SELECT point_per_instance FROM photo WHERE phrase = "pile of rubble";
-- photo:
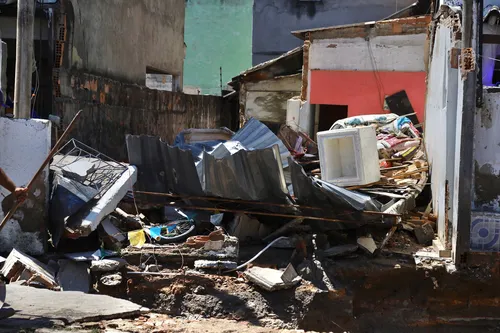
(218, 202)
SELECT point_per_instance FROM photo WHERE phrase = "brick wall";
(113, 109)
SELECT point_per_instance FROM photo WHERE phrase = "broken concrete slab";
(424, 234)
(70, 306)
(290, 274)
(368, 244)
(25, 145)
(20, 266)
(73, 276)
(108, 202)
(107, 265)
(341, 250)
(269, 279)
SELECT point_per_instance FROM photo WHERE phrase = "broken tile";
(73, 276)
(269, 279)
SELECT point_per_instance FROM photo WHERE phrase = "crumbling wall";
(441, 121)
(113, 109)
(267, 100)
(25, 145)
(120, 39)
(343, 68)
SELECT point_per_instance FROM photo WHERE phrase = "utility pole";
(24, 58)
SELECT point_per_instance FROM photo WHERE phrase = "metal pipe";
(24, 58)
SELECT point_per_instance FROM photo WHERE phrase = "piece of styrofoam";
(349, 156)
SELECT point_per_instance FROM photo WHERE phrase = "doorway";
(327, 115)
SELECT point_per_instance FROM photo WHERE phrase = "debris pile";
(217, 203)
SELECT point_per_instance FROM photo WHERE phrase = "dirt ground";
(158, 323)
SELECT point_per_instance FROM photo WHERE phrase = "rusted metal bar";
(52, 152)
(210, 209)
(177, 196)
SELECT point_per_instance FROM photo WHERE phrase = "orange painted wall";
(358, 90)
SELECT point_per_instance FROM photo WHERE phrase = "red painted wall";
(358, 90)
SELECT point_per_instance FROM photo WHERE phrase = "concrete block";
(25, 145)
(349, 156)
(109, 201)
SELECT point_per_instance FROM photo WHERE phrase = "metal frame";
(106, 171)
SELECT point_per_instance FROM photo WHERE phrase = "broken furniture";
(21, 267)
(88, 187)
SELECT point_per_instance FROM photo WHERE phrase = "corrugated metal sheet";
(162, 168)
(256, 135)
(249, 175)
(334, 200)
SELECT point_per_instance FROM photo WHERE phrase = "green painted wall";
(217, 33)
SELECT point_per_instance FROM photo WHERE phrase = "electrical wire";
(380, 86)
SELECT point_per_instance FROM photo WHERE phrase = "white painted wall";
(24, 146)
(267, 100)
(386, 53)
(440, 124)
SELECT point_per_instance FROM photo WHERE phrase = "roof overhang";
(400, 26)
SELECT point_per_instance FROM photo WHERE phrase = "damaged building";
(340, 191)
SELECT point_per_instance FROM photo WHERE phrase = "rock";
(424, 234)
(200, 290)
(368, 244)
(269, 279)
(111, 280)
(107, 265)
